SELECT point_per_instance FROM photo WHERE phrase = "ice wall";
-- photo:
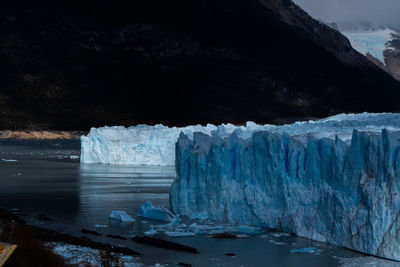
(155, 145)
(345, 193)
(138, 145)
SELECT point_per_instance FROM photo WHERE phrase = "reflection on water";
(104, 188)
(28, 185)
(42, 177)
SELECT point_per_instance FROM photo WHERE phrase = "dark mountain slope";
(179, 62)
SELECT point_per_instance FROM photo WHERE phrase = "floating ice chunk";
(250, 230)
(179, 233)
(276, 242)
(121, 216)
(151, 232)
(74, 157)
(157, 213)
(206, 229)
(100, 226)
(280, 234)
(9, 160)
(310, 250)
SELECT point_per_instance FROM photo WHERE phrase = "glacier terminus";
(345, 193)
(334, 180)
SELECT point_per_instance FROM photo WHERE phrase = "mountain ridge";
(180, 63)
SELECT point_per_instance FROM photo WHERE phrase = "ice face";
(155, 145)
(346, 193)
(138, 145)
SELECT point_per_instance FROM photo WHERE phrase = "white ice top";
(155, 145)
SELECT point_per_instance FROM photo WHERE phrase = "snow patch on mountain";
(374, 42)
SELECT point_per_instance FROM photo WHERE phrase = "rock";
(161, 243)
(90, 232)
(230, 254)
(183, 264)
(224, 236)
(116, 237)
(43, 217)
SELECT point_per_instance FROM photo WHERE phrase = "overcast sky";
(376, 12)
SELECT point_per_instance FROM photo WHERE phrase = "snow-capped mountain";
(380, 45)
(373, 42)
(180, 62)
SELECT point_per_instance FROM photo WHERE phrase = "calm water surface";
(46, 177)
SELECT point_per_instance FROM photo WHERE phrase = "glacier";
(138, 145)
(155, 145)
(374, 42)
(335, 180)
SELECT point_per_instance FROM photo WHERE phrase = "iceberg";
(156, 213)
(121, 216)
(336, 180)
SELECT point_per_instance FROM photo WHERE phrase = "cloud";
(375, 12)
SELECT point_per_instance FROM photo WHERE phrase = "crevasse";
(342, 192)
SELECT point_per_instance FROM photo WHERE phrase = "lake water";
(46, 177)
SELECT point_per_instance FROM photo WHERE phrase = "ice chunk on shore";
(157, 213)
(345, 193)
(155, 145)
(121, 216)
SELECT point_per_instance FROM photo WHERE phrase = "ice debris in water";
(279, 234)
(121, 216)
(151, 232)
(84, 256)
(100, 226)
(178, 234)
(336, 180)
(184, 230)
(9, 160)
(149, 211)
(310, 250)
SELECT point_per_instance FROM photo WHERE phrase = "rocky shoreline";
(14, 229)
(41, 135)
